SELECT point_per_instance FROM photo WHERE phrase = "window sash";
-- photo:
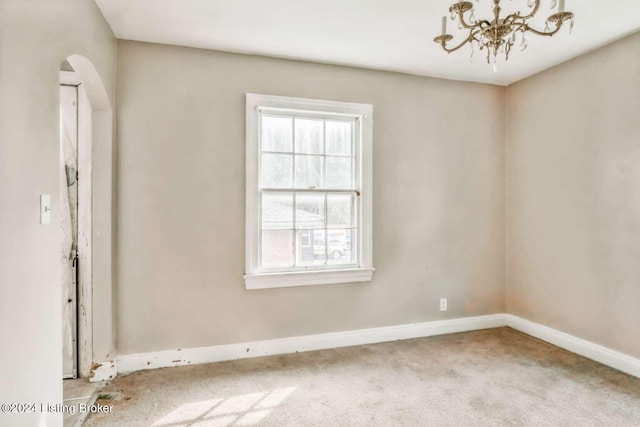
(355, 156)
(356, 243)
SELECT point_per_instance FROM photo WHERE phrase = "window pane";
(277, 211)
(339, 174)
(308, 171)
(339, 138)
(309, 136)
(311, 250)
(340, 210)
(277, 134)
(309, 210)
(276, 171)
(341, 246)
(277, 248)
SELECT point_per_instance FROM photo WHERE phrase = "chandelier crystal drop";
(498, 35)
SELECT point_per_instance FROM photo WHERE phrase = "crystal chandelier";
(499, 35)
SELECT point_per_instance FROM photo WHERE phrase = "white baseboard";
(162, 359)
(181, 357)
(585, 348)
(103, 371)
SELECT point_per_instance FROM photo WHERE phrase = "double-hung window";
(308, 218)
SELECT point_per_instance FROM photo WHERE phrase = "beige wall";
(35, 37)
(438, 200)
(573, 197)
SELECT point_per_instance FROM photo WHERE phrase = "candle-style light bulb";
(561, 6)
(444, 25)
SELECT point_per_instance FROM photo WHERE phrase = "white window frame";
(363, 113)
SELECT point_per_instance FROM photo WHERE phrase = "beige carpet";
(496, 377)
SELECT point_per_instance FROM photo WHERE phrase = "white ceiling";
(394, 35)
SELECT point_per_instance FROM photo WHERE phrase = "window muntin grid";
(308, 191)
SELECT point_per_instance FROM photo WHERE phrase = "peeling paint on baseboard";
(103, 371)
(181, 357)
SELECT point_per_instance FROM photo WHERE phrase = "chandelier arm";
(511, 19)
(472, 36)
(519, 26)
(542, 33)
(533, 12)
(465, 41)
(464, 23)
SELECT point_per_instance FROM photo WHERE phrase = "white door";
(69, 225)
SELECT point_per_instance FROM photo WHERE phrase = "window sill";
(307, 278)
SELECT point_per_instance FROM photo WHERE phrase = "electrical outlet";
(443, 304)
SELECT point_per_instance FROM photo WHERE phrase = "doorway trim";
(96, 325)
(83, 303)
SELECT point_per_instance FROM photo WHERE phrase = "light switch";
(45, 209)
